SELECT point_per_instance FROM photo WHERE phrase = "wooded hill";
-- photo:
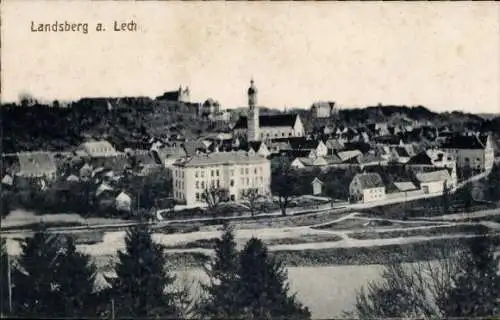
(131, 122)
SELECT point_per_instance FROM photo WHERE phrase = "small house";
(123, 202)
(435, 181)
(367, 187)
(317, 186)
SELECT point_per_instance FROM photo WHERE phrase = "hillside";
(131, 122)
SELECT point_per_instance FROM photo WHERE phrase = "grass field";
(427, 232)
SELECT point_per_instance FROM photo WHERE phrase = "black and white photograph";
(249, 160)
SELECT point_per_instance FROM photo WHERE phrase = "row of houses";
(369, 187)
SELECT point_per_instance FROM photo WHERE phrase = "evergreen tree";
(76, 277)
(140, 289)
(35, 291)
(476, 289)
(221, 291)
(52, 279)
(264, 291)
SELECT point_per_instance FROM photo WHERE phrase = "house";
(144, 162)
(349, 155)
(474, 151)
(366, 187)
(104, 195)
(98, 149)
(317, 186)
(37, 164)
(432, 158)
(317, 146)
(235, 172)
(401, 154)
(334, 145)
(85, 172)
(123, 202)
(210, 107)
(303, 162)
(435, 181)
(259, 148)
(323, 109)
(7, 180)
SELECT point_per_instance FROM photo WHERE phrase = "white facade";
(373, 194)
(234, 171)
(432, 187)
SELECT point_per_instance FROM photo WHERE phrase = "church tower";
(253, 133)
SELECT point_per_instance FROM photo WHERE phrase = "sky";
(445, 56)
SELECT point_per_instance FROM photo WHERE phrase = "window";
(282, 134)
(231, 183)
(255, 170)
(275, 135)
(197, 196)
(202, 174)
(218, 184)
(289, 134)
(196, 174)
(197, 184)
(246, 170)
(217, 173)
(203, 184)
(212, 173)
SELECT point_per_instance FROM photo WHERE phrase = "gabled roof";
(276, 120)
(369, 180)
(7, 180)
(255, 145)
(316, 180)
(36, 163)
(292, 154)
(405, 186)
(466, 142)
(334, 144)
(102, 188)
(441, 175)
(346, 155)
(303, 143)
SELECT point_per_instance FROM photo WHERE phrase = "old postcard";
(250, 160)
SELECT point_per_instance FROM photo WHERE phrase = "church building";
(266, 127)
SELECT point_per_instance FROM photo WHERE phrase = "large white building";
(234, 171)
(256, 127)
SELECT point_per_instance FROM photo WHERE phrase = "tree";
(252, 196)
(283, 183)
(76, 277)
(263, 288)
(35, 291)
(493, 183)
(213, 196)
(461, 282)
(143, 287)
(52, 279)
(221, 290)
(476, 289)
(4, 281)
